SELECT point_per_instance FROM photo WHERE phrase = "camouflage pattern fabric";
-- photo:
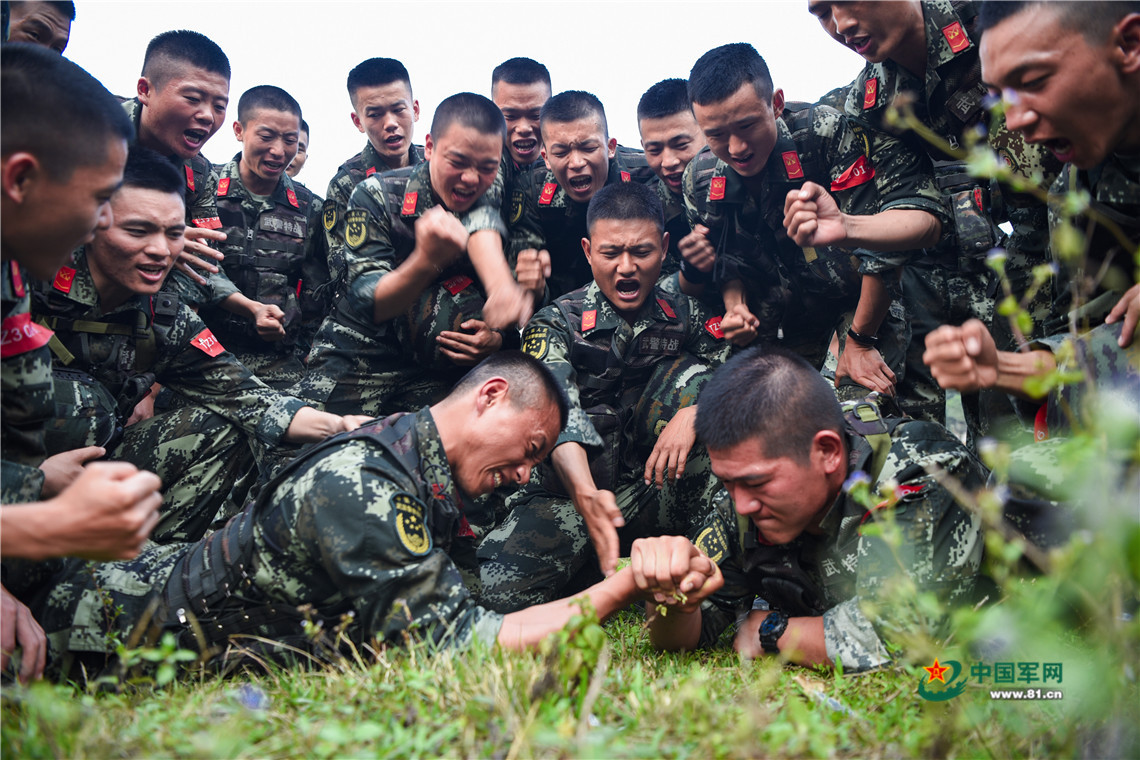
(26, 392)
(201, 211)
(842, 574)
(158, 339)
(359, 367)
(274, 249)
(625, 381)
(350, 174)
(676, 224)
(362, 525)
(545, 217)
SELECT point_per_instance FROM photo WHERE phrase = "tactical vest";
(265, 263)
(102, 369)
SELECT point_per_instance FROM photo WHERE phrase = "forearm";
(803, 641)
(573, 467)
(874, 303)
(1013, 369)
(32, 531)
(241, 305)
(485, 250)
(733, 294)
(675, 630)
(892, 230)
(526, 628)
(396, 290)
(311, 425)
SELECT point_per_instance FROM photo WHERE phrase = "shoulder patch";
(328, 218)
(64, 279)
(665, 307)
(410, 525)
(516, 206)
(716, 189)
(956, 37)
(625, 176)
(207, 223)
(355, 226)
(457, 284)
(589, 319)
(223, 187)
(536, 341)
(713, 543)
(714, 328)
(292, 196)
(19, 334)
(859, 172)
(871, 93)
(409, 206)
(548, 191)
(189, 178)
(207, 343)
(792, 164)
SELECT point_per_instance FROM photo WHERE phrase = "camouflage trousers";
(278, 370)
(199, 456)
(542, 550)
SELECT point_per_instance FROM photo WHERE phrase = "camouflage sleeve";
(369, 252)
(717, 537)
(20, 483)
(332, 221)
(526, 227)
(202, 205)
(193, 363)
(316, 295)
(222, 287)
(486, 214)
(703, 340)
(376, 546)
(547, 337)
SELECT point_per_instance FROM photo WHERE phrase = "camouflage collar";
(562, 200)
(608, 318)
(419, 183)
(279, 196)
(940, 18)
(372, 160)
(433, 466)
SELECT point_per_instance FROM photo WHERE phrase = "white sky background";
(615, 50)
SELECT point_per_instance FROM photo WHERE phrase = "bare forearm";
(485, 250)
(733, 294)
(573, 467)
(28, 530)
(1013, 369)
(803, 641)
(675, 630)
(892, 230)
(874, 302)
(241, 305)
(526, 628)
(397, 289)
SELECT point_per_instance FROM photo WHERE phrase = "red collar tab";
(371, 170)
(292, 196)
(409, 206)
(665, 307)
(223, 187)
(716, 189)
(548, 191)
(64, 279)
(871, 93)
(625, 176)
(792, 164)
(189, 178)
(17, 279)
(589, 320)
(956, 37)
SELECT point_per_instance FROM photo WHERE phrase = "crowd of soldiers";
(449, 396)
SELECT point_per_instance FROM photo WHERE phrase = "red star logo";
(937, 672)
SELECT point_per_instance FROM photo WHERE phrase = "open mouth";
(152, 272)
(524, 147)
(274, 167)
(674, 180)
(394, 142)
(580, 183)
(628, 288)
(1061, 148)
(462, 195)
(742, 163)
(859, 44)
(497, 479)
(195, 137)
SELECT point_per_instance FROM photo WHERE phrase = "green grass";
(623, 701)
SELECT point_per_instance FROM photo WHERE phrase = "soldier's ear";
(586, 248)
(356, 122)
(17, 175)
(778, 102)
(428, 147)
(1126, 43)
(612, 147)
(415, 111)
(237, 130)
(144, 90)
(827, 449)
(491, 392)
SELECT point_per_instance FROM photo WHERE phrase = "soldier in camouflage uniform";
(274, 246)
(401, 482)
(383, 109)
(787, 454)
(928, 52)
(548, 209)
(671, 138)
(787, 271)
(182, 97)
(633, 358)
(412, 315)
(115, 335)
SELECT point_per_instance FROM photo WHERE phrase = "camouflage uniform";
(836, 572)
(357, 366)
(676, 224)
(274, 252)
(802, 296)
(26, 395)
(625, 381)
(105, 363)
(365, 525)
(201, 211)
(952, 283)
(542, 215)
(350, 174)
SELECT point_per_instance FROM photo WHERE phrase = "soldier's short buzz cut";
(573, 105)
(470, 110)
(148, 170)
(169, 53)
(1094, 19)
(719, 73)
(531, 382)
(56, 111)
(269, 98)
(377, 72)
(667, 97)
(305, 127)
(520, 71)
(625, 201)
(769, 394)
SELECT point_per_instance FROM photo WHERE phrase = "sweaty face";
(782, 497)
(1071, 96)
(741, 129)
(136, 252)
(625, 256)
(463, 164)
(875, 30)
(579, 155)
(302, 156)
(66, 214)
(386, 114)
(670, 143)
(505, 444)
(39, 24)
(184, 112)
(521, 105)
(268, 143)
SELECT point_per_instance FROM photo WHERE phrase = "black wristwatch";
(771, 630)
